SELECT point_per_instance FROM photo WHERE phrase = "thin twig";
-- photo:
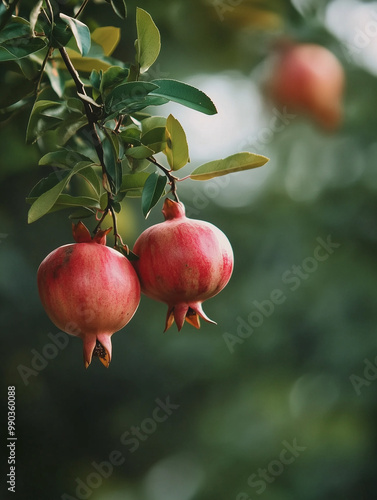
(172, 178)
(87, 106)
(95, 137)
(83, 5)
(37, 87)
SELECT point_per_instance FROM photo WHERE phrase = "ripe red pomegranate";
(183, 262)
(89, 290)
(308, 78)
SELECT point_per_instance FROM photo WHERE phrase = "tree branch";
(172, 178)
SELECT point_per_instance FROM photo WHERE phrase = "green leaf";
(113, 77)
(154, 188)
(57, 78)
(124, 95)
(40, 122)
(95, 79)
(80, 32)
(131, 135)
(176, 149)
(152, 122)
(107, 37)
(119, 7)
(148, 43)
(64, 158)
(113, 166)
(60, 34)
(139, 152)
(184, 94)
(34, 14)
(47, 200)
(233, 163)
(92, 178)
(19, 48)
(14, 30)
(66, 200)
(69, 127)
(155, 139)
(134, 182)
(46, 184)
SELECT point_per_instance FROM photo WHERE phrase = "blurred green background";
(303, 378)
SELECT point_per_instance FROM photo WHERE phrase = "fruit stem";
(172, 178)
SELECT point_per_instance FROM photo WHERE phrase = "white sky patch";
(355, 24)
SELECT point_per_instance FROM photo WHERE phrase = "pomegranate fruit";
(308, 78)
(183, 262)
(89, 290)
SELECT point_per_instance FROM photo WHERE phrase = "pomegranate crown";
(173, 209)
(81, 234)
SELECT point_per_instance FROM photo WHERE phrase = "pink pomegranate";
(183, 262)
(308, 78)
(89, 290)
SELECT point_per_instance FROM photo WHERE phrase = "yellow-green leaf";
(176, 149)
(148, 43)
(233, 163)
(108, 37)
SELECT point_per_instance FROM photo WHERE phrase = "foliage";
(98, 120)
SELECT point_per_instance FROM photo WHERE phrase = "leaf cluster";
(91, 109)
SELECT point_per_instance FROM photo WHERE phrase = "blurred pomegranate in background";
(308, 79)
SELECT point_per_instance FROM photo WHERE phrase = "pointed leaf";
(155, 139)
(47, 200)
(39, 122)
(148, 41)
(80, 32)
(132, 182)
(176, 149)
(64, 158)
(233, 163)
(184, 94)
(153, 122)
(139, 152)
(113, 166)
(113, 77)
(19, 48)
(126, 94)
(119, 7)
(34, 15)
(153, 190)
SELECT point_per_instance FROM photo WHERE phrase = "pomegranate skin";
(308, 78)
(183, 262)
(91, 291)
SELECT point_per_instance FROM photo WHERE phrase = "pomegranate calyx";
(173, 209)
(81, 234)
(100, 236)
(99, 347)
(186, 312)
